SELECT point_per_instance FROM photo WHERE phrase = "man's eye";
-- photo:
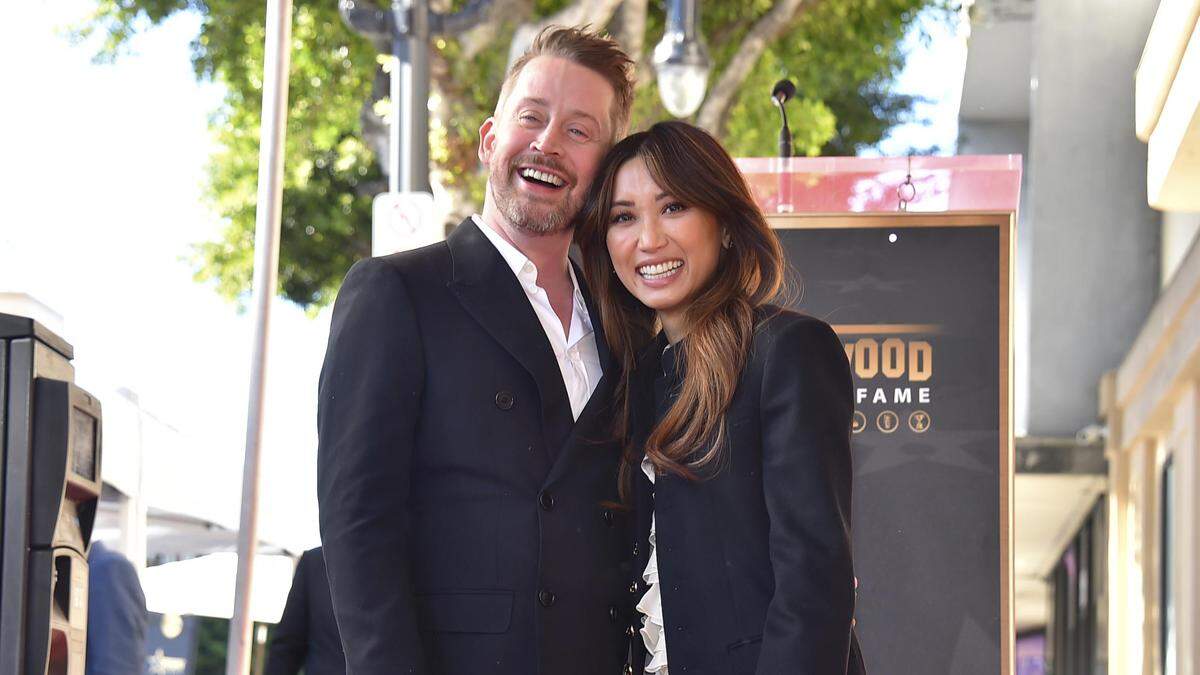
(578, 133)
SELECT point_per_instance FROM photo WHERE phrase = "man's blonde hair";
(592, 50)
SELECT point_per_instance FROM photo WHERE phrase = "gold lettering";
(920, 361)
(893, 358)
(866, 358)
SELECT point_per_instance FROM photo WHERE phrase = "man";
(307, 635)
(117, 619)
(465, 456)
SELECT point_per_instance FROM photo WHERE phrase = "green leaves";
(842, 54)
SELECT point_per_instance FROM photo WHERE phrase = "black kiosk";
(50, 487)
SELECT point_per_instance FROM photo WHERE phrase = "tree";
(842, 54)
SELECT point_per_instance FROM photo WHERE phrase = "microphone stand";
(784, 204)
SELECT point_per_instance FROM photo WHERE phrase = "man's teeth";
(659, 270)
(542, 176)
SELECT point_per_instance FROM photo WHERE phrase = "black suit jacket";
(307, 635)
(462, 509)
(754, 561)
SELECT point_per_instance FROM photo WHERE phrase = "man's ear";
(487, 139)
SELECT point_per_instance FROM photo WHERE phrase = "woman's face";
(664, 251)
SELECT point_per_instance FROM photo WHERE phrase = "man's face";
(543, 146)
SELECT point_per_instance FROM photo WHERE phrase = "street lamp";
(681, 61)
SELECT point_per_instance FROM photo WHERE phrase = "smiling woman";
(735, 419)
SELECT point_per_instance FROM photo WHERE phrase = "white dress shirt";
(575, 350)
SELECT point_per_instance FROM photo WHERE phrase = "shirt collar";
(526, 272)
(516, 260)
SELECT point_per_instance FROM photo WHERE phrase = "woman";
(737, 416)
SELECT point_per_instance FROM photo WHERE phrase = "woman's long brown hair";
(691, 166)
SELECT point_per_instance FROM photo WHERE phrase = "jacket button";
(546, 598)
(629, 630)
(504, 400)
(635, 549)
(633, 587)
(608, 517)
(627, 670)
(612, 613)
(546, 500)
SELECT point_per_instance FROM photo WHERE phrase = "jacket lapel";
(594, 426)
(489, 291)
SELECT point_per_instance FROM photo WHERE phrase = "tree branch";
(630, 27)
(764, 31)
(594, 13)
(482, 36)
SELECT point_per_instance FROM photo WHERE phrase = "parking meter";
(50, 433)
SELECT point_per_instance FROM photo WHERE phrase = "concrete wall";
(1011, 137)
(1095, 242)
(1179, 232)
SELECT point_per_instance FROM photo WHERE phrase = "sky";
(102, 197)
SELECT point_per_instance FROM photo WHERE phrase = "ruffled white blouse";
(650, 606)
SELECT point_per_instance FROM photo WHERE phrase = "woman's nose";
(651, 236)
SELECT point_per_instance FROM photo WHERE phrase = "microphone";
(784, 90)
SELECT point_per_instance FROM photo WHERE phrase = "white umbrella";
(204, 586)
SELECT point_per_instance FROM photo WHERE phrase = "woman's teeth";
(659, 270)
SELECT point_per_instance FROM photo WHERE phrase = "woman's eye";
(674, 207)
(621, 218)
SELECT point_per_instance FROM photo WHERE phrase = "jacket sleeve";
(368, 406)
(289, 640)
(806, 408)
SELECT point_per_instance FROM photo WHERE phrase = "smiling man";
(464, 465)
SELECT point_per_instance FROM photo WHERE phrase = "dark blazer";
(462, 509)
(754, 561)
(307, 635)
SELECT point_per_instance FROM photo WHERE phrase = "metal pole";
(266, 271)
(412, 104)
(398, 171)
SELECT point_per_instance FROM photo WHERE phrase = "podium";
(911, 261)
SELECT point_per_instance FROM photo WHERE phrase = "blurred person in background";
(117, 619)
(306, 636)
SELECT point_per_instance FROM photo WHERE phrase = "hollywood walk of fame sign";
(921, 302)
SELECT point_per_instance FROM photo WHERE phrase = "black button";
(504, 400)
(633, 587)
(547, 598)
(628, 669)
(630, 631)
(608, 517)
(612, 613)
(546, 500)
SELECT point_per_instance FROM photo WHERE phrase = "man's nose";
(548, 141)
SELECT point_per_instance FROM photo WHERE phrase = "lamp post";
(681, 61)
(407, 27)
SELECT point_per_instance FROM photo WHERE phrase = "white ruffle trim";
(653, 635)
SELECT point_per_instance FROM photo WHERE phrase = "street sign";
(403, 220)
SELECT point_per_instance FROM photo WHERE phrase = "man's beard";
(529, 215)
